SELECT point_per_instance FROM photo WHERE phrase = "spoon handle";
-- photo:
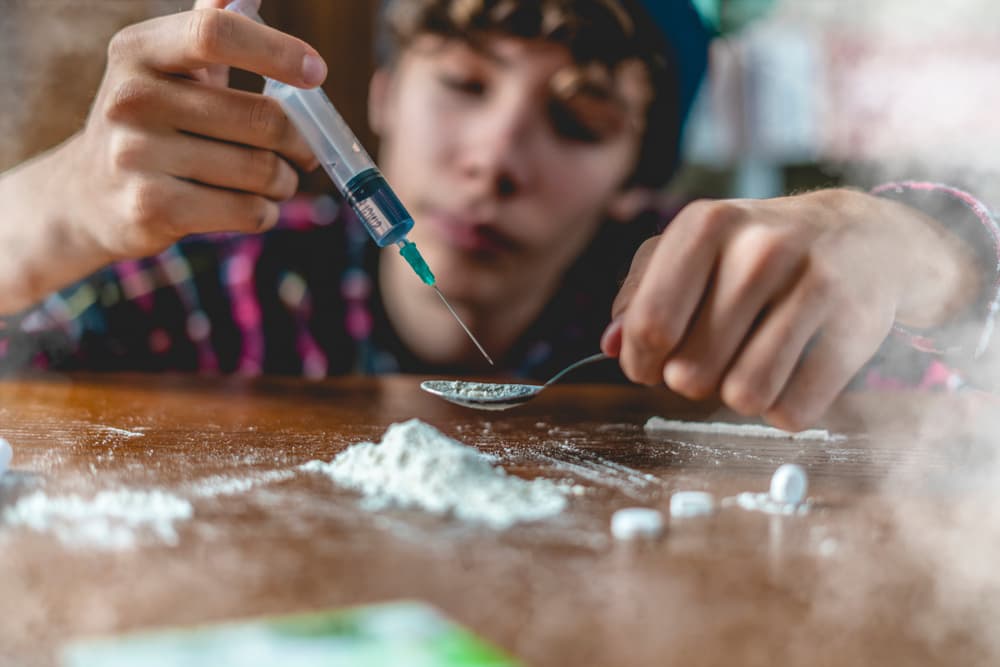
(600, 356)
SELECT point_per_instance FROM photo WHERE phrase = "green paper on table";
(409, 634)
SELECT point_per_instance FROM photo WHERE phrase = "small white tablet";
(687, 504)
(789, 484)
(634, 523)
(6, 453)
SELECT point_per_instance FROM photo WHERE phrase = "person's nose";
(498, 151)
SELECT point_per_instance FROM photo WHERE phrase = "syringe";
(351, 169)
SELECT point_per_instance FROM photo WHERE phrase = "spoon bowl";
(496, 395)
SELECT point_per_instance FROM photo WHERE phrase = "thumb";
(611, 340)
(640, 262)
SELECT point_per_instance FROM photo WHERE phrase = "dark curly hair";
(605, 32)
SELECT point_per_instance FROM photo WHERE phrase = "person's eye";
(466, 85)
(573, 126)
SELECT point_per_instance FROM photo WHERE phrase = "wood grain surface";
(876, 574)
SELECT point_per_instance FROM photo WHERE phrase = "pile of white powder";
(417, 466)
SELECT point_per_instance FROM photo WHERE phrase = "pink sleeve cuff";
(989, 304)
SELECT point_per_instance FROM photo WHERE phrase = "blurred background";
(802, 93)
(805, 93)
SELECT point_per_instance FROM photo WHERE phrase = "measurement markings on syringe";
(372, 216)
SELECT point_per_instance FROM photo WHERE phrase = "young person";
(527, 138)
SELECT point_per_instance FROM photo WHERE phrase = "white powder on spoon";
(417, 466)
(483, 390)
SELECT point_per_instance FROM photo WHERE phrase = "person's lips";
(469, 234)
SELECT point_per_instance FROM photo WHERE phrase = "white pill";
(637, 522)
(789, 484)
(686, 504)
(5, 455)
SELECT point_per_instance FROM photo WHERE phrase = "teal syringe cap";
(412, 256)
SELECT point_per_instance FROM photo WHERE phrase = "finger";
(822, 375)
(611, 339)
(216, 75)
(755, 267)
(171, 208)
(669, 293)
(252, 170)
(188, 42)
(235, 116)
(762, 369)
(225, 211)
(631, 283)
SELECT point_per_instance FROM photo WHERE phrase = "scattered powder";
(417, 466)
(593, 472)
(121, 431)
(226, 485)
(839, 455)
(599, 470)
(596, 469)
(763, 502)
(6, 454)
(110, 520)
(740, 430)
(604, 428)
(828, 547)
(787, 496)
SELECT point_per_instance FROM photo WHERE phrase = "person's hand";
(168, 150)
(775, 304)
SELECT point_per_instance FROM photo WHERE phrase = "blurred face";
(508, 157)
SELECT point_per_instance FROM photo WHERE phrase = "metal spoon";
(497, 396)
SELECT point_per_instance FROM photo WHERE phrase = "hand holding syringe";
(351, 168)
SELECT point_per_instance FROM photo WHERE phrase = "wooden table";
(857, 581)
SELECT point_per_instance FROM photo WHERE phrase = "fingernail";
(611, 339)
(313, 70)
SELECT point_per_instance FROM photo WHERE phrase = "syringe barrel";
(336, 147)
(339, 152)
(345, 160)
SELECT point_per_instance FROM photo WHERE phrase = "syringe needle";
(416, 261)
(462, 324)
